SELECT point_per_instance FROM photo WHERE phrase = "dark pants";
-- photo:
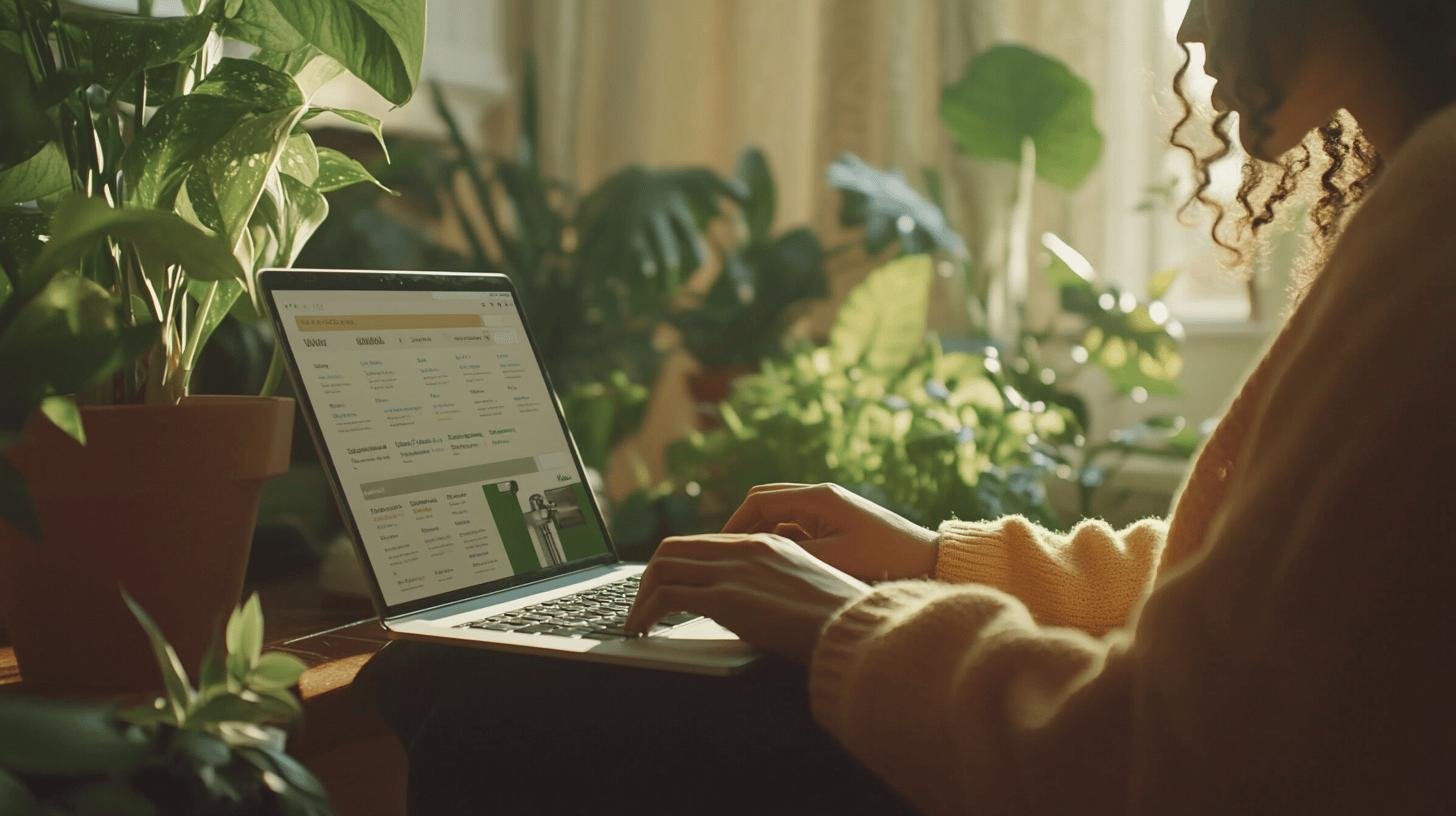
(488, 732)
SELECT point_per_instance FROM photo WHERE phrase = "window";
(1148, 180)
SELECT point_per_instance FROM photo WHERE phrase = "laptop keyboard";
(599, 613)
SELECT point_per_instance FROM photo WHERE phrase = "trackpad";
(701, 629)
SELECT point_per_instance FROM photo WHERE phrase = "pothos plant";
(145, 178)
(214, 747)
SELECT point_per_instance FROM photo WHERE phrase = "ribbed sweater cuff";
(843, 645)
(968, 552)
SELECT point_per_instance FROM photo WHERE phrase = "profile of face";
(1270, 70)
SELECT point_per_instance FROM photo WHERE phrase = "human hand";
(840, 528)
(763, 587)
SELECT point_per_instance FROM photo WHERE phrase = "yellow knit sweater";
(1287, 643)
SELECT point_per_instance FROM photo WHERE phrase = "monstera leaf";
(891, 210)
(647, 224)
(1010, 94)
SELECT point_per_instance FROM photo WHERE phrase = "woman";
(1282, 643)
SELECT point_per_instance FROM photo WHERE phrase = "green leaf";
(24, 126)
(759, 204)
(45, 173)
(162, 238)
(114, 797)
(276, 670)
(63, 739)
(239, 165)
(364, 120)
(337, 171)
(881, 325)
(304, 211)
(214, 300)
(21, 233)
(163, 83)
(890, 210)
(174, 676)
(202, 748)
(63, 412)
(300, 159)
(287, 767)
(251, 82)
(1009, 94)
(15, 505)
(258, 22)
(157, 712)
(179, 134)
(114, 47)
(1160, 283)
(15, 797)
(245, 638)
(644, 226)
(287, 216)
(65, 339)
(213, 673)
(381, 42)
(243, 707)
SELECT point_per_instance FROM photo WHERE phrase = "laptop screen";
(444, 436)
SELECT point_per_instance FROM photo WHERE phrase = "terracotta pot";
(162, 501)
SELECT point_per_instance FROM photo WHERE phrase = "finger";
(792, 531)
(678, 570)
(772, 486)
(657, 602)
(761, 511)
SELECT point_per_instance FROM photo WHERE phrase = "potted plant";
(765, 282)
(144, 179)
(216, 747)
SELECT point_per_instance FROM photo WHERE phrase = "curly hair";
(1335, 163)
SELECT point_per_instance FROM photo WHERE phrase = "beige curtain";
(671, 82)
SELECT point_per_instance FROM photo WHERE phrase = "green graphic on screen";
(544, 527)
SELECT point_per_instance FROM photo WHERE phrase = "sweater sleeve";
(1299, 663)
(1090, 578)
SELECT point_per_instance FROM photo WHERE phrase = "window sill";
(1216, 328)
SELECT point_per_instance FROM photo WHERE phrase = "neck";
(1392, 99)
(1388, 119)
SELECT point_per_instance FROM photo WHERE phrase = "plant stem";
(1015, 277)
(275, 372)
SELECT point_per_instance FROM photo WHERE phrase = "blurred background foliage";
(977, 425)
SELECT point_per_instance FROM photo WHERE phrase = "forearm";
(1090, 579)
(946, 692)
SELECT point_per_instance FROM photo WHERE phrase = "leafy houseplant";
(145, 178)
(214, 748)
(885, 412)
(742, 318)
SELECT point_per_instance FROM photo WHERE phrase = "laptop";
(456, 475)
